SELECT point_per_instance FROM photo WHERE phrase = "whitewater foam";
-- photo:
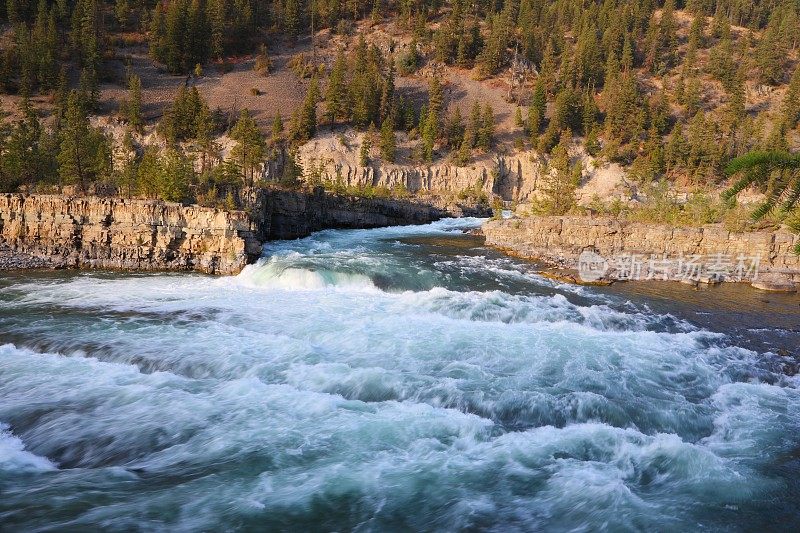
(344, 382)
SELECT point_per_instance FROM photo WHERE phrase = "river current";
(394, 379)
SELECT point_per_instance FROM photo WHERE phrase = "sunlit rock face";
(126, 234)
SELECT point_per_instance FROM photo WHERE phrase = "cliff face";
(561, 240)
(291, 214)
(53, 231)
(513, 177)
(115, 233)
(518, 176)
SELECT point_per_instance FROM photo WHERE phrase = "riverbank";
(598, 249)
(60, 231)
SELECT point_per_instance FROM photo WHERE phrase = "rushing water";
(393, 379)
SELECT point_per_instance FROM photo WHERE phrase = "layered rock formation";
(658, 251)
(281, 214)
(92, 232)
(56, 231)
(517, 177)
(328, 158)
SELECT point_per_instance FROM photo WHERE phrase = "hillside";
(190, 100)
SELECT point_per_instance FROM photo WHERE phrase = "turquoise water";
(393, 379)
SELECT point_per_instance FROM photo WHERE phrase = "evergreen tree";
(486, 131)
(84, 155)
(454, 130)
(23, 158)
(537, 109)
(250, 149)
(777, 172)
(366, 147)
(771, 52)
(388, 143)
(205, 125)
(791, 102)
(176, 174)
(133, 107)
(676, 151)
(304, 120)
(559, 189)
(336, 104)
(277, 130)
(588, 57)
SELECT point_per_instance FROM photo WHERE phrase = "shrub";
(263, 63)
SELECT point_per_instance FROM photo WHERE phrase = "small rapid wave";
(274, 275)
(14, 459)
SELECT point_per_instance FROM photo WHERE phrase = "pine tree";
(44, 37)
(667, 33)
(149, 173)
(84, 154)
(216, 16)
(175, 177)
(249, 151)
(778, 171)
(388, 142)
(547, 70)
(537, 109)
(122, 12)
(626, 61)
(587, 56)
(486, 131)
(89, 88)
(277, 130)
(589, 113)
(336, 105)
(366, 147)
(133, 108)
(304, 120)
(205, 125)
(722, 61)
(791, 102)
(559, 189)
(387, 92)
(22, 158)
(454, 129)
(430, 132)
(771, 52)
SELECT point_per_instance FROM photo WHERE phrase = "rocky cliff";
(56, 231)
(626, 250)
(92, 232)
(286, 214)
(518, 176)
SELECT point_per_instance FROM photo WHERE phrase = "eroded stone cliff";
(57, 231)
(561, 240)
(115, 233)
(517, 176)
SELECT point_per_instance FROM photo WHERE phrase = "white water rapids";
(391, 379)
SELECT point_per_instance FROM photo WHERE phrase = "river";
(394, 379)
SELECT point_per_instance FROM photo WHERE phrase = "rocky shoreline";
(60, 231)
(602, 250)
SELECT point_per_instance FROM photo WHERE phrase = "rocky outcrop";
(287, 214)
(59, 231)
(334, 158)
(517, 176)
(627, 250)
(114, 233)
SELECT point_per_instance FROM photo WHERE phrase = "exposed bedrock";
(561, 240)
(59, 231)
